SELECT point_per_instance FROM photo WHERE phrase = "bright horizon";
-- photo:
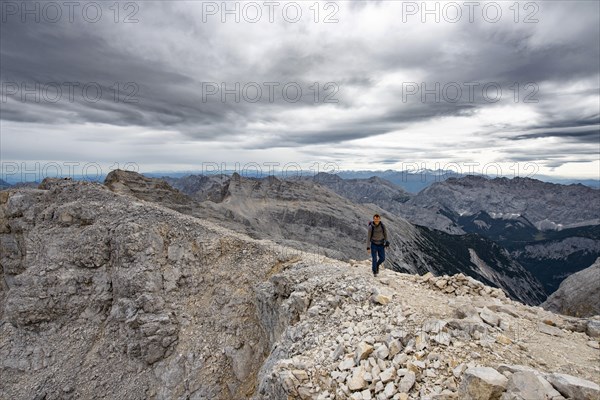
(14, 172)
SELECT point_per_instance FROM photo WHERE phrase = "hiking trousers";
(378, 256)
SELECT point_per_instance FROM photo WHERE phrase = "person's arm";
(369, 233)
(386, 243)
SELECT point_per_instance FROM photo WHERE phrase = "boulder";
(573, 387)
(578, 295)
(407, 382)
(526, 385)
(482, 383)
(362, 352)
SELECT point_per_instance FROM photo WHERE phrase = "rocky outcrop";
(99, 287)
(578, 295)
(339, 343)
(149, 189)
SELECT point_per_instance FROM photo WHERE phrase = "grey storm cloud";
(164, 62)
(586, 136)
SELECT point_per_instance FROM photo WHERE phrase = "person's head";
(376, 218)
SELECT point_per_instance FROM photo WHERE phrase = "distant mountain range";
(410, 180)
(4, 184)
(415, 181)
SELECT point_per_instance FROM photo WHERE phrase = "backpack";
(382, 227)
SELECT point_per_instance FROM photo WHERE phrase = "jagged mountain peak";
(149, 189)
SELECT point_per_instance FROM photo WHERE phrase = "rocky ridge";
(99, 287)
(404, 337)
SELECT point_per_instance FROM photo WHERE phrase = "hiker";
(377, 241)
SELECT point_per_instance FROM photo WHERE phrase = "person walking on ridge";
(377, 241)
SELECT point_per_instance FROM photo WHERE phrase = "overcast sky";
(170, 85)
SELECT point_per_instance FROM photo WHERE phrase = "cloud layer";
(378, 84)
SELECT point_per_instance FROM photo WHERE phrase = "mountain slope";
(578, 295)
(483, 260)
(98, 287)
(306, 215)
(371, 190)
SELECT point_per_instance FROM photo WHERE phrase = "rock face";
(558, 254)
(578, 295)
(99, 286)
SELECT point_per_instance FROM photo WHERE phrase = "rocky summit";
(104, 295)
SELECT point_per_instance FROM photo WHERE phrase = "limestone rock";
(362, 351)
(489, 317)
(578, 294)
(482, 383)
(407, 382)
(528, 385)
(381, 299)
(550, 330)
(357, 380)
(593, 328)
(387, 375)
(573, 387)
